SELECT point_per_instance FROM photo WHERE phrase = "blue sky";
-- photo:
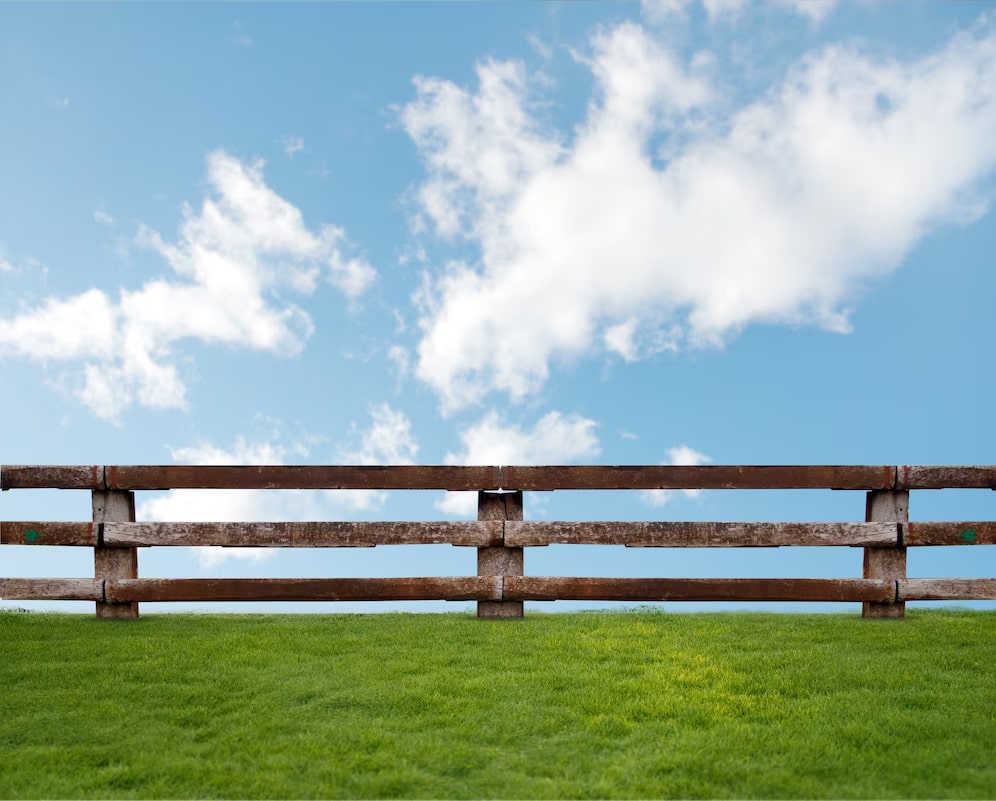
(498, 233)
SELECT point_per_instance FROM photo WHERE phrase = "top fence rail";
(489, 478)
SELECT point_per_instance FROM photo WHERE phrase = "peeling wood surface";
(535, 588)
(16, 476)
(19, 532)
(470, 588)
(303, 534)
(978, 589)
(397, 477)
(946, 477)
(500, 561)
(701, 535)
(114, 563)
(476, 478)
(968, 533)
(699, 477)
(47, 589)
(885, 563)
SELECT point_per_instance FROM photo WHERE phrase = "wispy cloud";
(232, 265)
(103, 218)
(666, 11)
(292, 145)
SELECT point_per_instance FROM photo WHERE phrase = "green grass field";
(627, 705)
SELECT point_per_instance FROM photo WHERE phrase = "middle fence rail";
(500, 535)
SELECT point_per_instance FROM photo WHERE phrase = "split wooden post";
(499, 560)
(114, 506)
(886, 506)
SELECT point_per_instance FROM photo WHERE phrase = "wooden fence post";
(886, 506)
(499, 561)
(114, 506)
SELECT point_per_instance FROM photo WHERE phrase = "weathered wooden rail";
(500, 535)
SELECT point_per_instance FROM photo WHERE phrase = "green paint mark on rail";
(33, 536)
(968, 535)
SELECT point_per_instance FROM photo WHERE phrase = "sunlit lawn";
(627, 705)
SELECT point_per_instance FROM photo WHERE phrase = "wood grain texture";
(20, 532)
(460, 588)
(967, 533)
(946, 477)
(502, 560)
(302, 534)
(978, 589)
(885, 563)
(456, 478)
(397, 477)
(701, 535)
(114, 563)
(17, 476)
(699, 477)
(48, 589)
(536, 588)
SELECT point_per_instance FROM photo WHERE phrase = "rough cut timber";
(16, 476)
(699, 477)
(502, 560)
(44, 589)
(856, 477)
(946, 477)
(114, 563)
(470, 588)
(885, 563)
(535, 588)
(701, 535)
(397, 477)
(971, 533)
(19, 532)
(302, 535)
(983, 589)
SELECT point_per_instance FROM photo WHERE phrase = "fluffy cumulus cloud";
(556, 438)
(679, 455)
(387, 439)
(671, 219)
(233, 263)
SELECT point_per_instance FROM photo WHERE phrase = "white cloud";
(233, 263)
(665, 11)
(781, 211)
(554, 439)
(388, 440)
(5, 266)
(293, 145)
(401, 359)
(815, 10)
(679, 455)
(658, 11)
(103, 218)
(720, 9)
(351, 276)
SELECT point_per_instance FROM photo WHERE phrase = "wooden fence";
(500, 535)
